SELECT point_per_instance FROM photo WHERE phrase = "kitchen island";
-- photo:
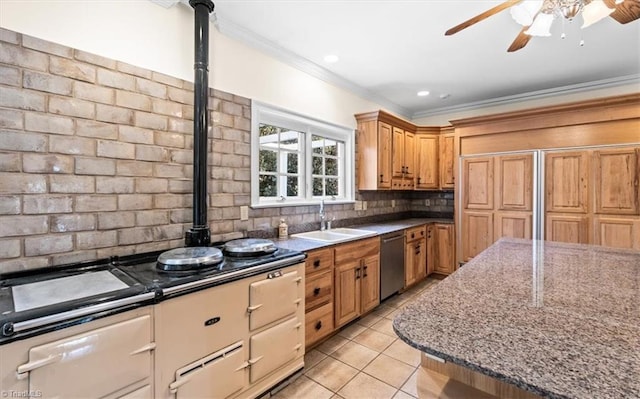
(552, 319)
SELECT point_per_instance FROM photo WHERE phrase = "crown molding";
(533, 95)
(237, 32)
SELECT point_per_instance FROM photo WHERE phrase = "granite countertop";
(559, 320)
(301, 244)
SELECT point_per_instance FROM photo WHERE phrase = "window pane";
(268, 186)
(331, 167)
(330, 147)
(316, 165)
(316, 144)
(289, 140)
(292, 186)
(332, 186)
(292, 163)
(268, 161)
(317, 186)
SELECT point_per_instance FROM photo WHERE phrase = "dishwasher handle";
(390, 239)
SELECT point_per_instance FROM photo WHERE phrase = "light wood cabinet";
(356, 280)
(319, 271)
(619, 232)
(512, 224)
(427, 177)
(441, 244)
(566, 181)
(478, 187)
(447, 159)
(415, 255)
(374, 154)
(514, 188)
(477, 233)
(570, 228)
(616, 174)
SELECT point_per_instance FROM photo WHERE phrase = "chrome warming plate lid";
(249, 247)
(189, 258)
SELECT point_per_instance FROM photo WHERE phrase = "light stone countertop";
(301, 244)
(559, 320)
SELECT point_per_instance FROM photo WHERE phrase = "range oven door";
(273, 298)
(275, 347)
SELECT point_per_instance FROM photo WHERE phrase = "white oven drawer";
(215, 376)
(275, 347)
(273, 298)
(92, 364)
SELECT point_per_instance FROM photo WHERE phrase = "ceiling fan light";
(594, 12)
(541, 26)
(569, 11)
(524, 11)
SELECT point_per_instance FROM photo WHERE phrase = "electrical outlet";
(244, 213)
(427, 202)
(393, 203)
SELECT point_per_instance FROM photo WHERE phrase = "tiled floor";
(365, 360)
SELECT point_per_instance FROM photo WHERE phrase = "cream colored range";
(231, 341)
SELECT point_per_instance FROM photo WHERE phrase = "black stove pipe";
(200, 235)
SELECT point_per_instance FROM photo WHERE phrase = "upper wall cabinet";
(616, 181)
(395, 154)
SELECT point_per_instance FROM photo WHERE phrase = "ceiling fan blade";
(480, 17)
(625, 12)
(520, 41)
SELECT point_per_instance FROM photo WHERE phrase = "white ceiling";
(389, 50)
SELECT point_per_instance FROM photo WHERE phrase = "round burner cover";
(249, 247)
(189, 258)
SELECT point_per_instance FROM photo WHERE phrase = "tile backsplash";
(96, 160)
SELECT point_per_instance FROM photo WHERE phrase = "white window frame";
(262, 113)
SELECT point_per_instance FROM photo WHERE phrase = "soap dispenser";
(283, 230)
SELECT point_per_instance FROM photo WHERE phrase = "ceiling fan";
(536, 16)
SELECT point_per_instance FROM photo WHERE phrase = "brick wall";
(96, 160)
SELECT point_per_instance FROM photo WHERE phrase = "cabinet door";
(431, 249)
(477, 233)
(427, 162)
(409, 155)
(616, 181)
(512, 224)
(566, 181)
(384, 155)
(622, 232)
(421, 259)
(347, 293)
(370, 283)
(567, 228)
(397, 159)
(514, 182)
(409, 262)
(447, 160)
(444, 248)
(478, 183)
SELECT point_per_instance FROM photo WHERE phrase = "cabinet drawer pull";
(252, 308)
(381, 179)
(365, 272)
(316, 291)
(357, 273)
(23, 370)
(316, 263)
(318, 325)
(146, 348)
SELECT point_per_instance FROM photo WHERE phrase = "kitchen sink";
(336, 235)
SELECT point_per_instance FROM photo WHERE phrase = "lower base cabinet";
(441, 245)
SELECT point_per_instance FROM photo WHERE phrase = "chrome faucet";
(323, 216)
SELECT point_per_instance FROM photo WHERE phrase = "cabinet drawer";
(319, 261)
(318, 324)
(416, 233)
(318, 290)
(356, 250)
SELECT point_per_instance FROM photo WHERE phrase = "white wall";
(147, 35)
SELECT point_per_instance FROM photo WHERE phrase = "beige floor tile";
(393, 314)
(403, 395)
(312, 358)
(383, 310)
(374, 340)
(385, 326)
(332, 373)
(369, 320)
(355, 355)
(389, 370)
(403, 352)
(329, 346)
(304, 387)
(336, 396)
(352, 330)
(363, 386)
(411, 386)
(396, 301)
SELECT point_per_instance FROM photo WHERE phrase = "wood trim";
(386, 117)
(591, 111)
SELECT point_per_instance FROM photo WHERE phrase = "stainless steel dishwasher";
(391, 263)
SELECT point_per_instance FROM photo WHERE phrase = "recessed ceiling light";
(331, 58)
(423, 93)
